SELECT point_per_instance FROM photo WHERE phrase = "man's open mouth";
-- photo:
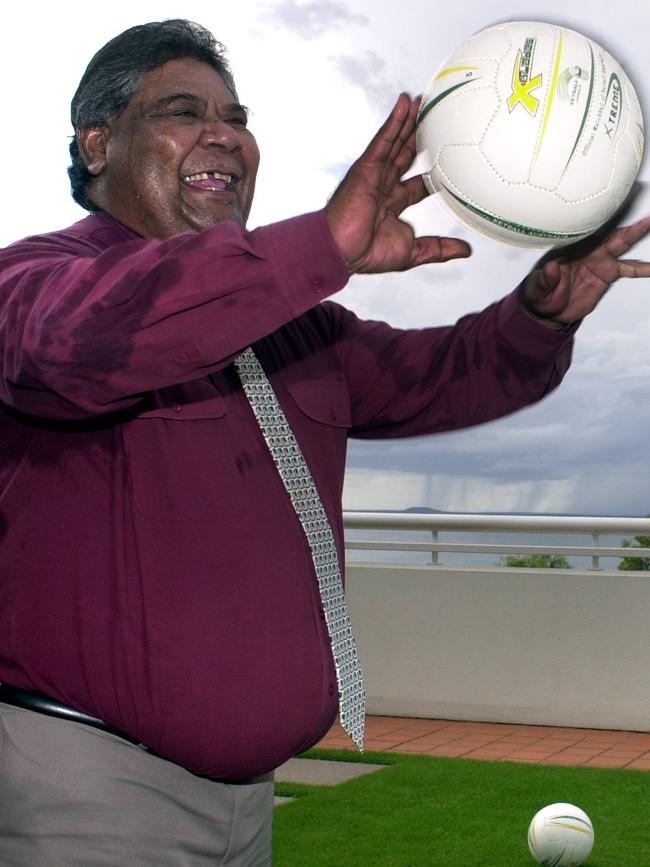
(211, 181)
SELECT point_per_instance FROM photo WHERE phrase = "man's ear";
(92, 147)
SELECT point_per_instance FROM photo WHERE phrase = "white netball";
(560, 835)
(533, 132)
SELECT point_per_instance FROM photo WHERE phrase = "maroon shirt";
(152, 570)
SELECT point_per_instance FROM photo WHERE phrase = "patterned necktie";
(302, 491)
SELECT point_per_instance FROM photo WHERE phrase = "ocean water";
(479, 559)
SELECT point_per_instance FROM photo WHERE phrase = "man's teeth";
(206, 176)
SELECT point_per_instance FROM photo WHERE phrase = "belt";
(41, 703)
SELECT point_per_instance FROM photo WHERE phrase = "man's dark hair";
(115, 74)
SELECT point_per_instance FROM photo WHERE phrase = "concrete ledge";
(315, 772)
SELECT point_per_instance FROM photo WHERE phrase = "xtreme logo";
(522, 83)
(613, 100)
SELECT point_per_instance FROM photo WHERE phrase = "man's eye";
(184, 112)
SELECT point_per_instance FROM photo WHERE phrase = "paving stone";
(322, 772)
(528, 743)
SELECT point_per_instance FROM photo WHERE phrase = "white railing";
(403, 524)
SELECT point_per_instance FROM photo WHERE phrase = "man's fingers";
(406, 135)
(403, 159)
(550, 275)
(633, 268)
(415, 190)
(620, 241)
(429, 249)
(388, 135)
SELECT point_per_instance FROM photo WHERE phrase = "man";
(164, 644)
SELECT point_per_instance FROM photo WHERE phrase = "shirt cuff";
(311, 266)
(526, 334)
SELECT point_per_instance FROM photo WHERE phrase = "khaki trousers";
(74, 796)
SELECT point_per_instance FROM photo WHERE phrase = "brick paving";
(547, 745)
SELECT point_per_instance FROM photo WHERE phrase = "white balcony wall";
(547, 647)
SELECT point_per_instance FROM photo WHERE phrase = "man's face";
(179, 158)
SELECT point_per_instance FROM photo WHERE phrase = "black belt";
(41, 703)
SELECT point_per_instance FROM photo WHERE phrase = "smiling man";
(175, 403)
(179, 158)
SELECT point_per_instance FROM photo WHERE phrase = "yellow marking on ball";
(452, 69)
(551, 97)
(570, 826)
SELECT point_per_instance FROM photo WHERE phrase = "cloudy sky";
(319, 76)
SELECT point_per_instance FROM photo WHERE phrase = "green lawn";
(434, 812)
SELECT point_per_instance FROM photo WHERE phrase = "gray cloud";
(582, 450)
(368, 71)
(310, 20)
(380, 81)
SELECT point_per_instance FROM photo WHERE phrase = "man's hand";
(566, 288)
(364, 212)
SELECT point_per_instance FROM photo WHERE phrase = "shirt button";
(332, 689)
(177, 407)
(317, 284)
(321, 614)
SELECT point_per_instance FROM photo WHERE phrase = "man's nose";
(219, 133)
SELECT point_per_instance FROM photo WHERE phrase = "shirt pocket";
(320, 418)
(324, 401)
(180, 453)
